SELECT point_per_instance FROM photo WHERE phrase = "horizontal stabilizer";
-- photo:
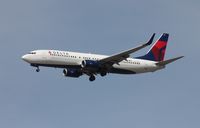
(165, 62)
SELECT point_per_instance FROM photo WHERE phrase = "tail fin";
(157, 51)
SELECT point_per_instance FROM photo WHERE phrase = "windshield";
(32, 53)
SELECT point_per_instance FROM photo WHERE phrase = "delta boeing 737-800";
(76, 64)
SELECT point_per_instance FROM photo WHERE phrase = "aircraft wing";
(116, 58)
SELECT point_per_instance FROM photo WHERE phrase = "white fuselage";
(65, 59)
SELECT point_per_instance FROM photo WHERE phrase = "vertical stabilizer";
(157, 51)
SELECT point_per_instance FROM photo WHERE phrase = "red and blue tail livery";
(157, 51)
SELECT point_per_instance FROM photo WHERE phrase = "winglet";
(163, 63)
(151, 39)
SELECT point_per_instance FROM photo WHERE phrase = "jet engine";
(90, 64)
(72, 73)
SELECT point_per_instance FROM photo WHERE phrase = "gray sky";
(167, 98)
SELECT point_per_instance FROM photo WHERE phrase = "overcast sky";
(165, 99)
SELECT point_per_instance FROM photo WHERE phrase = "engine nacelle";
(72, 73)
(90, 64)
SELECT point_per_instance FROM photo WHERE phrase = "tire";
(92, 78)
(37, 70)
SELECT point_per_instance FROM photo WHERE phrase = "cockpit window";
(32, 53)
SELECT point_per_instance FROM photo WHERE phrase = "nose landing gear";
(37, 69)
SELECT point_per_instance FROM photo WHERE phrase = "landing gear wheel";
(37, 70)
(92, 78)
(103, 74)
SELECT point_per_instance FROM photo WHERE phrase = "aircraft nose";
(25, 58)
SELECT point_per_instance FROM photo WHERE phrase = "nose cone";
(25, 58)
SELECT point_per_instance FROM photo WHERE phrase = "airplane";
(76, 64)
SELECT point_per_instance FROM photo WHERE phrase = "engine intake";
(72, 73)
(90, 64)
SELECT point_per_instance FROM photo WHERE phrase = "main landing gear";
(92, 78)
(103, 74)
